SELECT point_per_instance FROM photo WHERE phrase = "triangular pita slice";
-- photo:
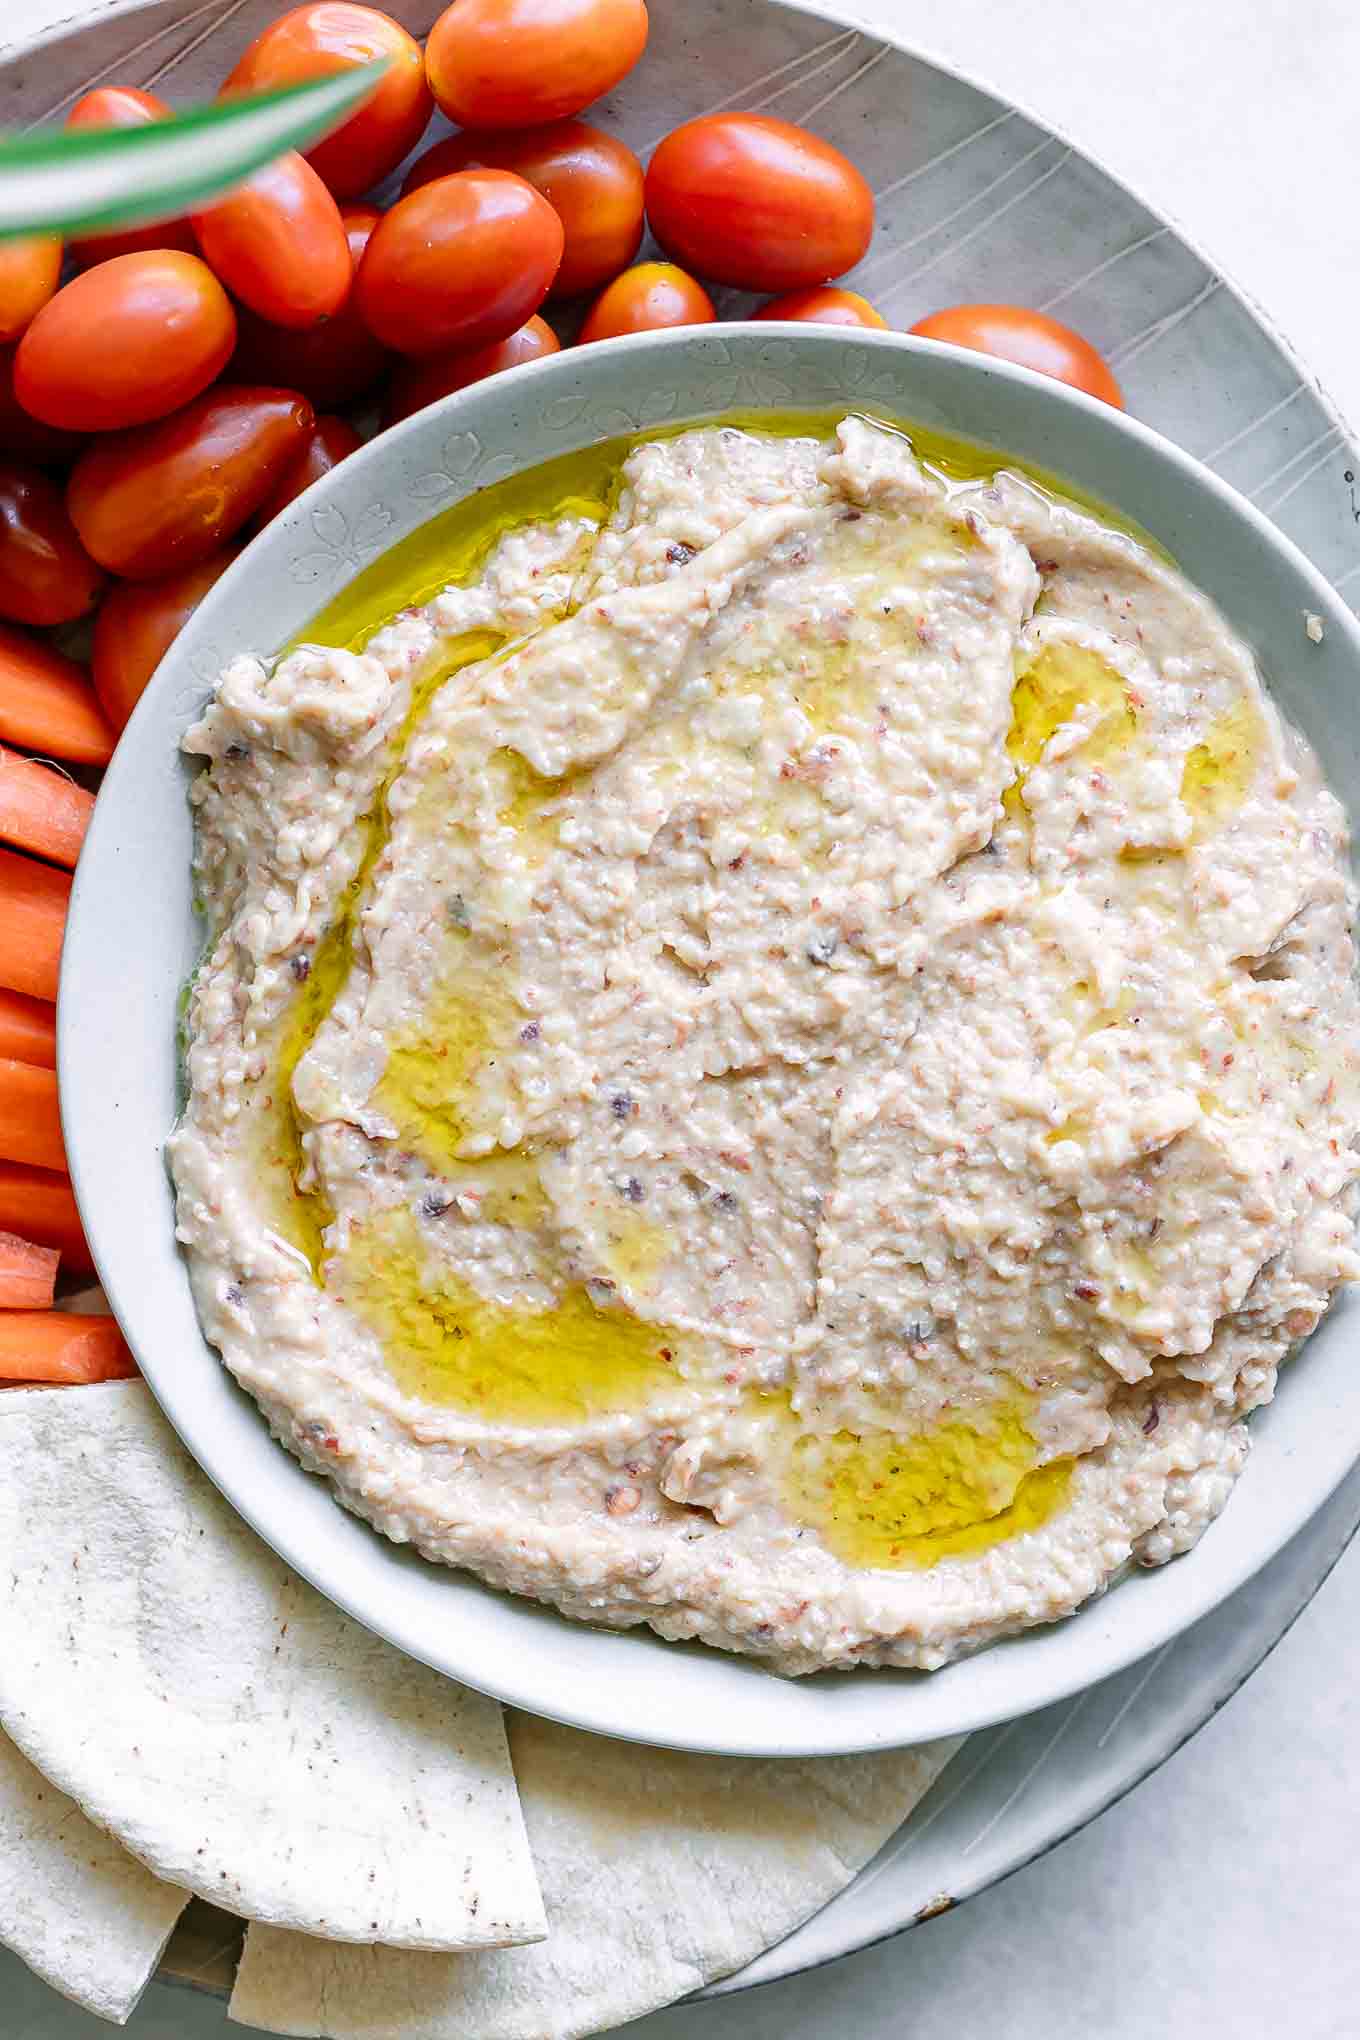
(212, 1711)
(660, 1871)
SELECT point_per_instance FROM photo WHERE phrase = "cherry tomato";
(24, 435)
(823, 306)
(330, 36)
(334, 363)
(331, 441)
(592, 182)
(461, 262)
(419, 383)
(46, 575)
(754, 201)
(164, 496)
(1031, 340)
(30, 270)
(138, 621)
(278, 243)
(124, 106)
(126, 342)
(653, 295)
(512, 63)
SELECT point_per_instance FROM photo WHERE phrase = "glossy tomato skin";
(46, 575)
(749, 200)
(330, 441)
(137, 623)
(824, 305)
(126, 342)
(334, 363)
(329, 36)
(22, 434)
(460, 263)
(30, 270)
(513, 63)
(279, 244)
(124, 106)
(592, 182)
(646, 299)
(419, 383)
(1030, 339)
(160, 497)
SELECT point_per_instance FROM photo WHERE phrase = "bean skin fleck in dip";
(782, 1067)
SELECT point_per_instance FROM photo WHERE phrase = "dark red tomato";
(461, 262)
(1012, 333)
(334, 363)
(642, 300)
(278, 243)
(165, 496)
(754, 201)
(24, 435)
(592, 182)
(823, 306)
(123, 106)
(138, 621)
(46, 575)
(329, 36)
(513, 63)
(30, 270)
(126, 342)
(419, 383)
(331, 440)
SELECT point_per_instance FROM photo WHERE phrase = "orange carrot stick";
(28, 1029)
(33, 903)
(62, 1346)
(28, 1274)
(41, 809)
(42, 1206)
(47, 704)
(30, 1123)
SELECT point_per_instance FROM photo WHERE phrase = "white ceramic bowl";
(133, 939)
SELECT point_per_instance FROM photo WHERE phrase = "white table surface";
(1221, 1898)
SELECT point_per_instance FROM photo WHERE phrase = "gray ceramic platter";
(976, 201)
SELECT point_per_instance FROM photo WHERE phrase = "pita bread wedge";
(660, 1871)
(74, 1906)
(237, 1734)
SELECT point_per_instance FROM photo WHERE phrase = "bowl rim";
(748, 1710)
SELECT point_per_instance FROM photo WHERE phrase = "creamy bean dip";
(781, 1066)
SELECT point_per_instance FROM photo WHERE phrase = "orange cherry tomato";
(124, 106)
(419, 383)
(1029, 339)
(138, 621)
(30, 270)
(331, 440)
(126, 342)
(459, 263)
(334, 363)
(591, 181)
(754, 201)
(164, 496)
(823, 306)
(24, 435)
(278, 243)
(329, 36)
(513, 63)
(46, 575)
(642, 300)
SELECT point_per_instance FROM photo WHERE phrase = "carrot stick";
(28, 1029)
(62, 1346)
(30, 1123)
(28, 1274)
(41, 809)
(33, 903)
(47, 704)
(42, 1206)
